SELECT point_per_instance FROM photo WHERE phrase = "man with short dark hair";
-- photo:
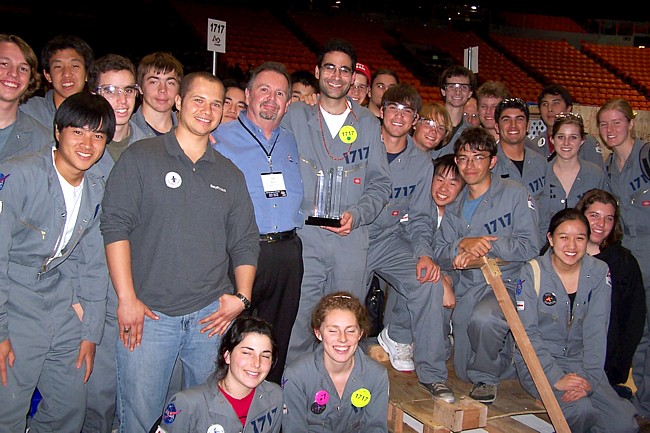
(176, 214)
(514, 159)
(234, 102)
(401, 253)
(336, 135)
(267, 154)
(382, 80)
(457, 84)
(553, 100)
(491, 217)
(159, 78)
(303, 83)
(65, 60)
(54, 280)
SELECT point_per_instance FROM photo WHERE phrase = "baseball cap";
(363, 69)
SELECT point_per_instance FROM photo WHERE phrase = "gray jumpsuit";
(506, 211)
(37, 291)
(553, 197)
(333, 262)
(533, 173)
(632, 190)
(573, 341)
(306, 379)
(394, 251)
(203, 409)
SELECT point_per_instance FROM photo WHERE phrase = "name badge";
(273, 185)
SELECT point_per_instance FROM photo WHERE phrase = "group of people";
(246, 223)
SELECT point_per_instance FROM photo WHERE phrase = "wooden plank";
(492, 275)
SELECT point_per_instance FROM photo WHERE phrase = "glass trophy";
(327, 201)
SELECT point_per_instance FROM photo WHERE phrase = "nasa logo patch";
(169, 416)
(3, 178)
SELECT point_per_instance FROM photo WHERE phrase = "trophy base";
(322, 221)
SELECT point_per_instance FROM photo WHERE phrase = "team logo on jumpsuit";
(216, 428)
(170, 413)
(549, 299)
(173, 180)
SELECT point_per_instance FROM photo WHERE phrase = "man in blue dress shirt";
(267, 154)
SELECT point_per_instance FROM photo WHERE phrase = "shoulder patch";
(3, 179)
(169, 416)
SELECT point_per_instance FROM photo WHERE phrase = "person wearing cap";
(514, 160)
(359, 89)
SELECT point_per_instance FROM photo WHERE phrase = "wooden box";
(464, 414)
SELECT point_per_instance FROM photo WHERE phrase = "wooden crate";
(464, 414)
(409, 400)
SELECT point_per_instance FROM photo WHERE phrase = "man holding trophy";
(346, 185)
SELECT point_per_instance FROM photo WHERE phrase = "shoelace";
(404, 351)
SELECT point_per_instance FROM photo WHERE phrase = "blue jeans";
(143, 375)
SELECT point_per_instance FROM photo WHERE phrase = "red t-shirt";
(241, 406)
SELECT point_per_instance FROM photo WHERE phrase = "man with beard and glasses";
(337, 136)
(267, 154)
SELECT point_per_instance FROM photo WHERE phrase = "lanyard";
(267, 153)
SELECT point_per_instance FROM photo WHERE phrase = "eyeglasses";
(393, 108)
(330, 69)
(433, 125)
(471, 116)
(361, 87)
(459, 86)
(111, 92)
(476, 159)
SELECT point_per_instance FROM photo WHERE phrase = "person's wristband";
(244, 300)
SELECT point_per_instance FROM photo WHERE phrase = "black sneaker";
(484, 393)
(439, 391)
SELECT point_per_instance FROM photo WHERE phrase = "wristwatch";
(245, 301)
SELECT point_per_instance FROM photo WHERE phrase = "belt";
(280, 236)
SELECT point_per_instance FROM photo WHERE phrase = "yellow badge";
(348, 134)
(360, 397)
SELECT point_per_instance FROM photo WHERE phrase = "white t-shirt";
(335, 121)
(72, 197)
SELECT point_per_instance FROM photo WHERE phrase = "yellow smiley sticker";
(348, 134)
(360, 397)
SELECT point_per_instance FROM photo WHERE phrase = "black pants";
(276, 293)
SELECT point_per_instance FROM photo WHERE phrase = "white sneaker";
(400, 355)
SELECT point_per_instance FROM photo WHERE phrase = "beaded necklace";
(322, 132)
